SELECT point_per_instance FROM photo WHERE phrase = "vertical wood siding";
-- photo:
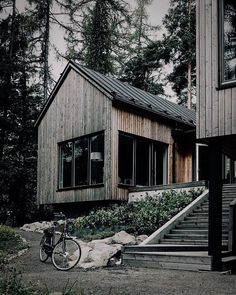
(216, 109)
(77, 109)
(145, 127)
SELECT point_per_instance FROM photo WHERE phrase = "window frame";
(222, 84)
(60, 144)
(151, 143)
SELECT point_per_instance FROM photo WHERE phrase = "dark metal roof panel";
(132, 95)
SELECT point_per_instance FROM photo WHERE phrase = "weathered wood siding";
(183, 162)
(216, 109)
(77, 109)
(132, 123)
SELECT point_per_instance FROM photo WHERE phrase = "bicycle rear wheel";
(43, 255)
(66, 254)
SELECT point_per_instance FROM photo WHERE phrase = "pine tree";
(145, 54)
(19, 105)
(180, 42)
(98, 35)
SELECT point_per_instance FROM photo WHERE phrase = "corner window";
(81, 161)
(141, 162)
(227, 42)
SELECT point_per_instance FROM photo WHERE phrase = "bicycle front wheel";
(43, 254)
(66, 254)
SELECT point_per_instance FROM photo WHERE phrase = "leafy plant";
(141, 217)
(10, 242)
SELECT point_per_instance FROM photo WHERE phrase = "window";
(227, 42)
(81, 161)
(141, 162)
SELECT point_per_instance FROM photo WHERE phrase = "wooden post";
(232, 227)
(215, 203)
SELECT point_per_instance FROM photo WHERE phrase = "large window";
(81, 161)
(141, 162)
(228, 42)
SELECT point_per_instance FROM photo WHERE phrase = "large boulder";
(123, 238)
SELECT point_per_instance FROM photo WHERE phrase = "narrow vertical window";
(97, 158)
(228, 41)
(66, 165)
(81, 161)
(126, 150)
(158, 164)
(142, 162)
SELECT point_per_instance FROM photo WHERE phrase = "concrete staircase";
(183, 242)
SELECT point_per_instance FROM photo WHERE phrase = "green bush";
(141, 217)
(10, 242)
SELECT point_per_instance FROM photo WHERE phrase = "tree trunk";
(189, 102)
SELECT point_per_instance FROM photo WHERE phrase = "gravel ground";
(119, 280)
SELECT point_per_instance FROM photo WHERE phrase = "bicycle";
(65, 252)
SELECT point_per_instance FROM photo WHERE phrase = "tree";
(180, 41)
(19, 105)
(98, 35)
(142, 68)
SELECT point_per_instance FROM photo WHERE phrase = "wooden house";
(216, 110)
(98, 136)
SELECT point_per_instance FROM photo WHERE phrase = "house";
(97, 137)
(216, 110)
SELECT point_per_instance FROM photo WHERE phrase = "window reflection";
(141, 162)
(66, 165)
(97, 161)
(82, 161)
(229, 40)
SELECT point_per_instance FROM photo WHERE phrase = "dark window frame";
(151, 143)
(222, 83)
(60, 144)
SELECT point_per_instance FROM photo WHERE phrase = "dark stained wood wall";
(77, 109)
(216, 109)
(132, 123)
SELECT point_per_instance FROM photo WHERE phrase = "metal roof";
(144, 100)
(123, 92)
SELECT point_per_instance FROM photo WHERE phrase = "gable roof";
(123, 92)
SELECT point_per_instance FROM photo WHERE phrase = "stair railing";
(232, 227)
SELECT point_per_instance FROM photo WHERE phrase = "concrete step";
(193, 231)
(205, 214)
(184, 242)
(190, 237)
(229, 263)
(189, 242)
(174, 260)
(163, 248)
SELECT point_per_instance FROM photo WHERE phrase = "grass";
(10, 242)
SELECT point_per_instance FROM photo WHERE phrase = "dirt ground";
(118, 280)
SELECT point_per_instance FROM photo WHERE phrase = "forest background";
(108, 36)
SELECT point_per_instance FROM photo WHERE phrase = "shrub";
(10, 242)
(141, 217)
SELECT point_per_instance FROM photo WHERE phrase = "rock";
(101, 254)
(141, 238)
(84, 254)
(97, 253)
(123, 238)
(36, 226)
(107, 241)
